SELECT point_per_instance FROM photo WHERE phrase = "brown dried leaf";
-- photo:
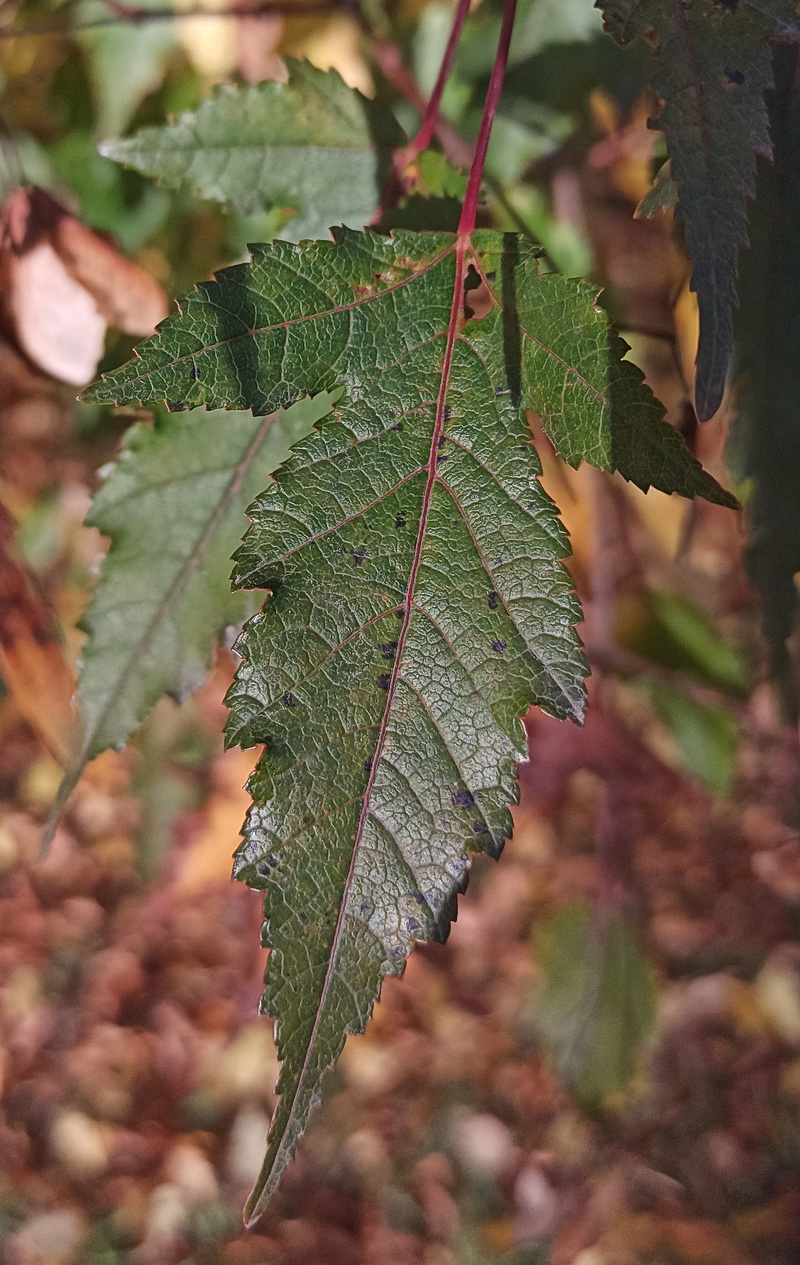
(63, 285)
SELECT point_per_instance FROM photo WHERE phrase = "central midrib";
(458, 282)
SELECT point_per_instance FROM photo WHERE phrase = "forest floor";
(138, 1083)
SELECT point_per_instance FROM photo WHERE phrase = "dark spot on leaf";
(389, 649)
(368, 764)
(498, 562)
(447, 413)
(490, 276)
(419, 898)
(303, 917)
(441, 441)
(400, 520)
(397, 426)
(413, 925)
(734, 77)
(443, 457)
(480, 828)
(462, 798)
(401, 613)
(384, 681)
(501, 390)
(397, 952)
(492, 600)
(499, 646)
(358, 555)
(366, 909)
(287, 700)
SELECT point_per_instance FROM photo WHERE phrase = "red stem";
(470, 208)
(430, 118)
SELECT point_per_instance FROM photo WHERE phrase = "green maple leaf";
(419, 602)
(712, 67)
(174, 506)
(312, 145)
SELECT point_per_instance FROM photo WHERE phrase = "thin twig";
(391, 62)
(430, 117)
(470, 209)
(393, 68)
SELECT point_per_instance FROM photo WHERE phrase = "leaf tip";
(708, 393)
(68, 783)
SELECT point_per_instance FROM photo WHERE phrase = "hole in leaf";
(478, 299)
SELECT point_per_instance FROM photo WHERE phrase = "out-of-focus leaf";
(64, 284)
(32, 661)
(675, 634)
(765, 438)
(312, 145)
(440, 178)
(126, 62)
(173, 745)
(566, 244)
(662, 195)
(706, 737)
(539, 25)
(712, 67)
(99, 186)
(173, 505)
(434, 200)
(596, 1001)
(562, 76)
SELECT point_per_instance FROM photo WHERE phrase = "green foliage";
(596, 1001)
(308, 305)
(312, 147)
(173, 505)
(706, 737)
(661, 196)
(419, 602)
(677, 635)
(765, 441)
(126, 63)
(712, 67)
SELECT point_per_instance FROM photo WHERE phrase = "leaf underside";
(419, 602)
(174, 507)
(712, 67)
(312, 146)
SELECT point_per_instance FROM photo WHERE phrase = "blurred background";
(602, 1065)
